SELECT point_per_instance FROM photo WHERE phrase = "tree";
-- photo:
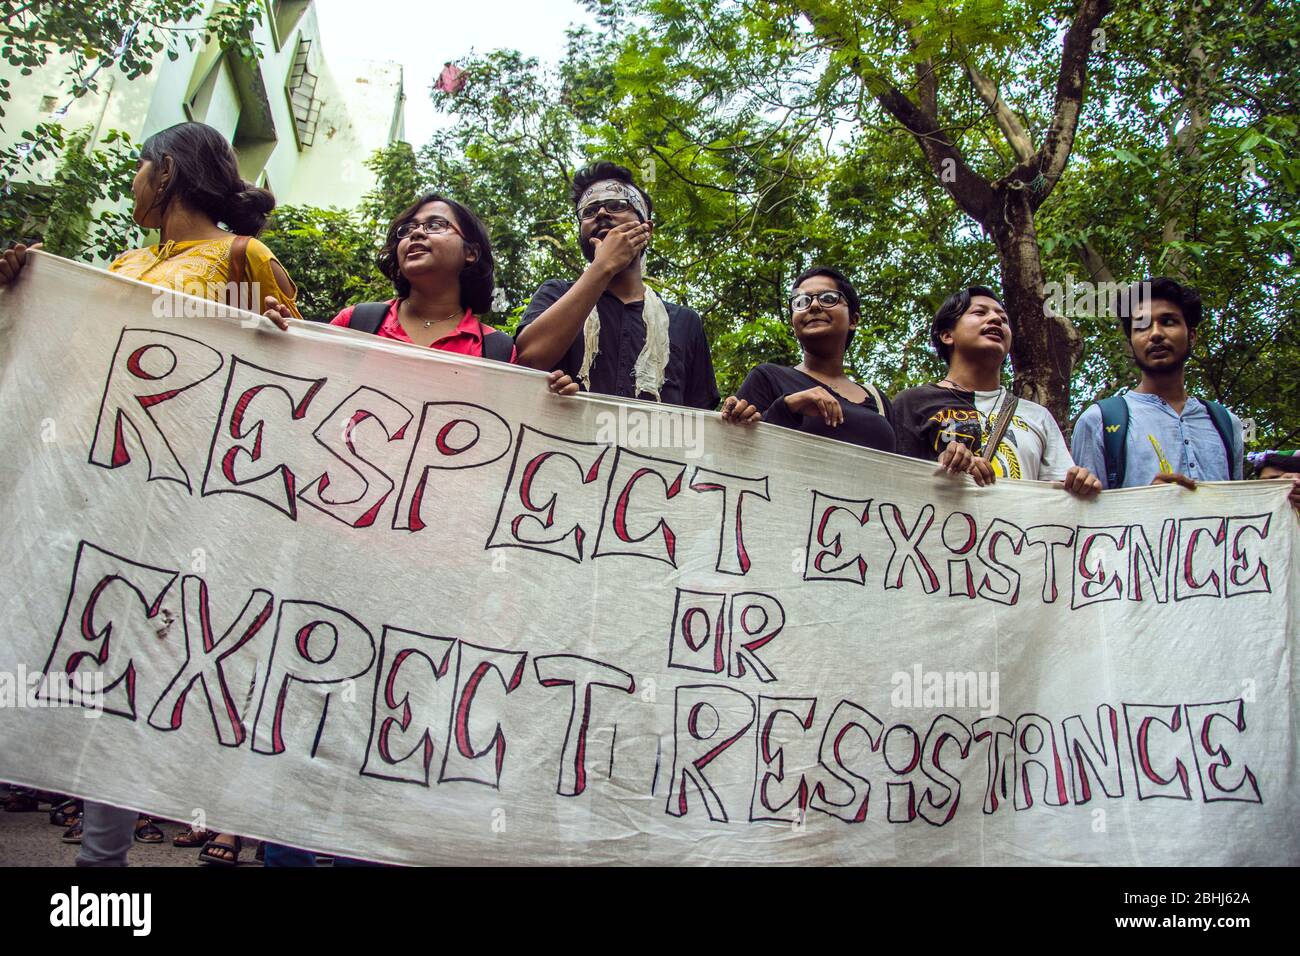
(944, 74)
(330, 255)
(1186, 165)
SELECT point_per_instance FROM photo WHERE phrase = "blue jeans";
(106, 834)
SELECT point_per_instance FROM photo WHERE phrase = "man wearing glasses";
(608, 330)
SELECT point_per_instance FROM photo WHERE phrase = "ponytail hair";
(205, 175)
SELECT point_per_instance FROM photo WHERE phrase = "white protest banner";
(375, 600)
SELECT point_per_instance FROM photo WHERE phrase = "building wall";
(360, 108)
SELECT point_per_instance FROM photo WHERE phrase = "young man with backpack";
(1156, 433)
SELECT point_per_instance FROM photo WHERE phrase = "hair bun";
(249, 209)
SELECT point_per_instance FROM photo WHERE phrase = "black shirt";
(863, 425)
(929, 417)
(688, 377)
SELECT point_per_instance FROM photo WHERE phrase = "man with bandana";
(1168, 436)
(608, 330)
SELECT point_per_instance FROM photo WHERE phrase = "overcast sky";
(422, 35)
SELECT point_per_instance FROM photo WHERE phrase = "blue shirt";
(1159, 439)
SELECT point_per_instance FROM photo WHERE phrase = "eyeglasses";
(592, 209)
(433, 226)
(828, 299)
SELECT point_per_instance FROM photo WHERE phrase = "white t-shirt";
(1033, 447)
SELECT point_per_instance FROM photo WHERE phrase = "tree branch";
(1098, 270)
(1008, 121)
(1049, 162)
(972, 192)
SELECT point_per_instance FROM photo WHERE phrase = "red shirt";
(467, 339)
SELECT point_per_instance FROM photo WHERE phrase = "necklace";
(429, 323)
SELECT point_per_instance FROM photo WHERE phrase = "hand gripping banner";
(391, 603)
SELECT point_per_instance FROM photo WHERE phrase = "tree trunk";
(1045, 347)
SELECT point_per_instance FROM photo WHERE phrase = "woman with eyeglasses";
(438, 256)
(817, 396)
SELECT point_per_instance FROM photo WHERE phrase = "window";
(301, 87)
(285, 15)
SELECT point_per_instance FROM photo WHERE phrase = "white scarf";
(650, 364)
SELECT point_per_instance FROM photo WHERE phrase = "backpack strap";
(875, 397)
(237, 274)
(497, 346)
(1223, 424)
(1114, 438)
(368, 316)
(1005, 414)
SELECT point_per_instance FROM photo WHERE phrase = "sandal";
(21, 801)
(147, 832)
(73, 833)
(194, 836)
(222, 854)
(66, 813)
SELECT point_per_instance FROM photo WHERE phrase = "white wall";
(360, 102)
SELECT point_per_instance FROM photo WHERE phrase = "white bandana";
(615, 189)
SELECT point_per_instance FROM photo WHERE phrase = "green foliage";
(85, 177)
(1186, 165)
(123, 34)
(330, 255)
(765, 152)
(61, 213)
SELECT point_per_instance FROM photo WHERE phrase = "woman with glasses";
(817, 396)
(439, 258)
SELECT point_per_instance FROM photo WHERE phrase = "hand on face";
(615, 245)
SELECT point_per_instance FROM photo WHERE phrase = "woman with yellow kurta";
(187, 186)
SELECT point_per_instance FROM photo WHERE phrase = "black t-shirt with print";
(928, 418)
